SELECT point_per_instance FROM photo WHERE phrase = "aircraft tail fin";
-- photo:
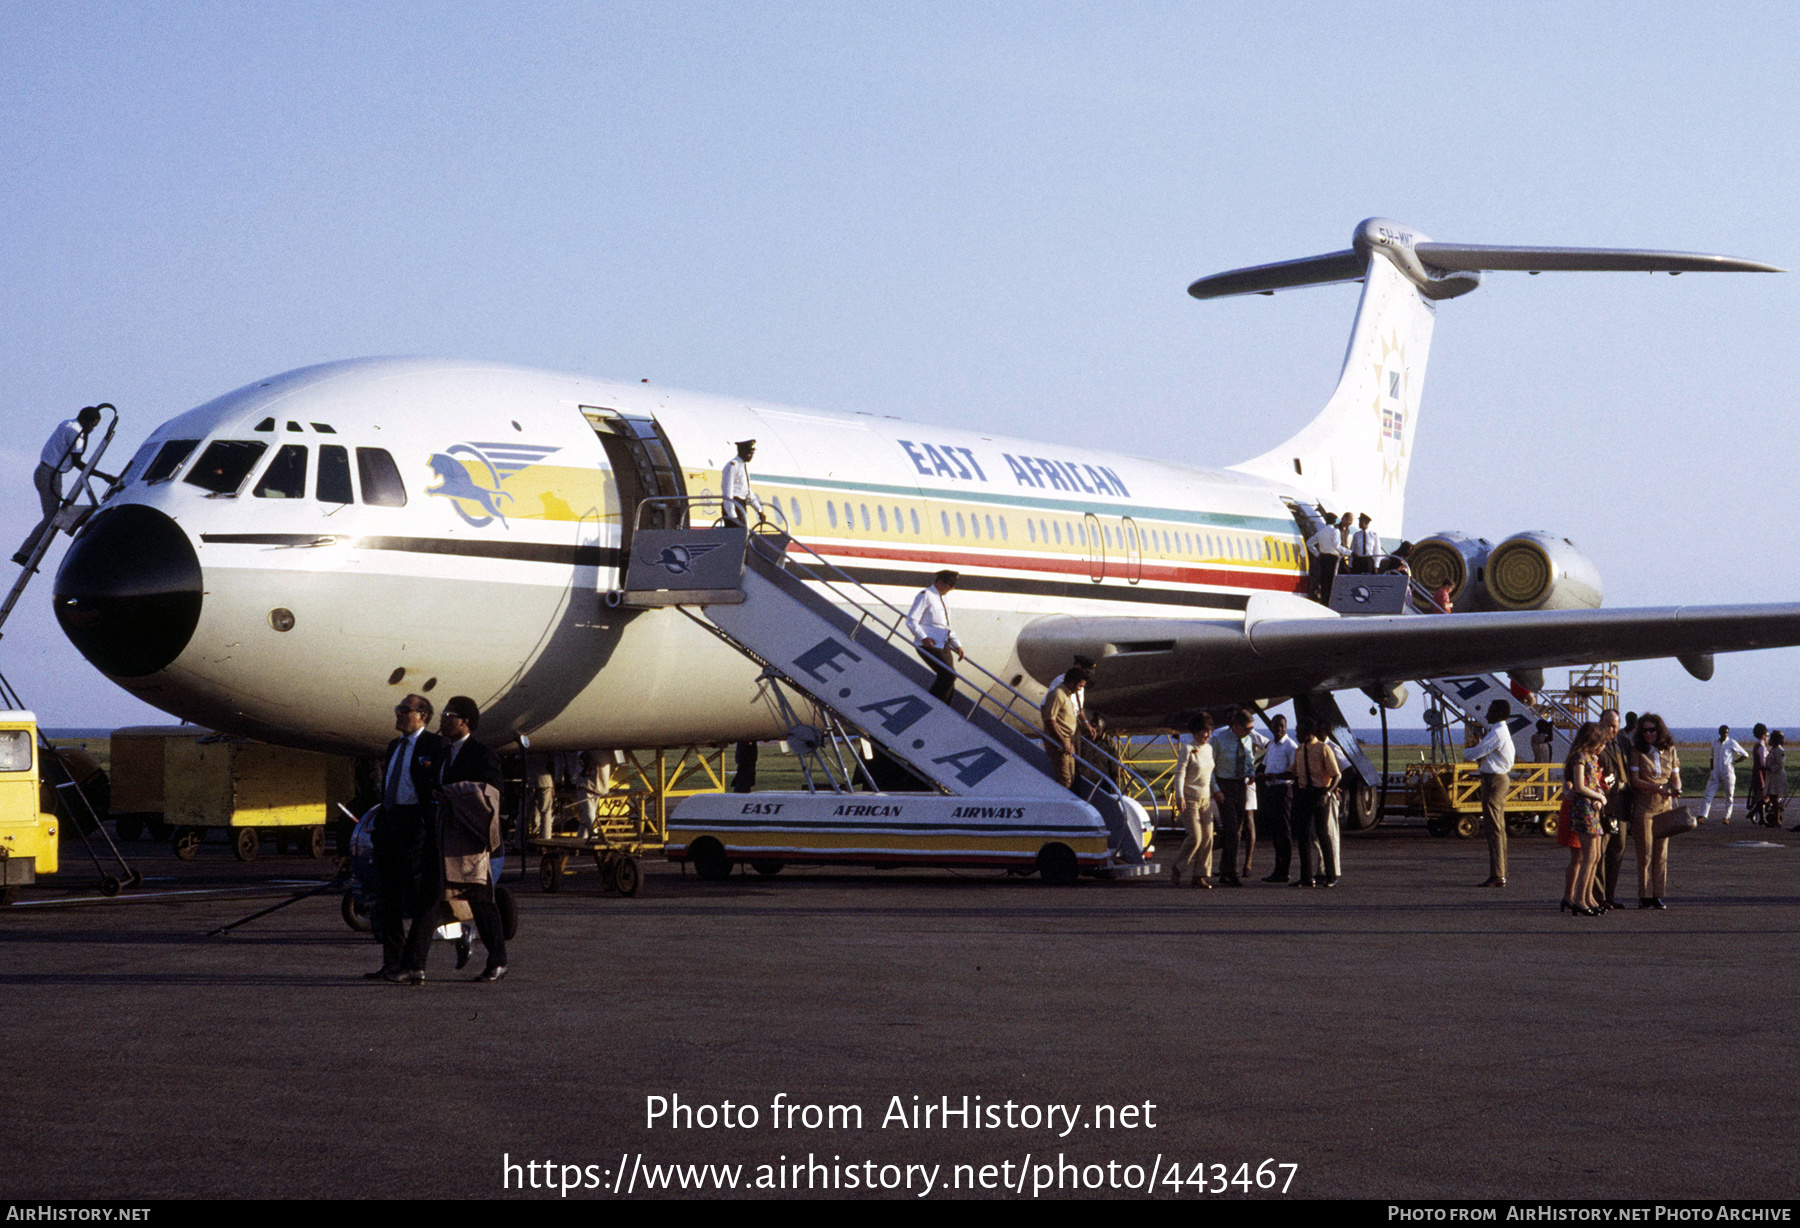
(1354, 455)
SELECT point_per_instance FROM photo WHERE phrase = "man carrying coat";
(464, 835)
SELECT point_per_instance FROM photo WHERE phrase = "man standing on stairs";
(929, 622)
(61, 454)
(734, 485)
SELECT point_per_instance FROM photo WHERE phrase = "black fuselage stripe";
(611, 556)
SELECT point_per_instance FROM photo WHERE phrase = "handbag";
(1674, 822)
(1564, 836)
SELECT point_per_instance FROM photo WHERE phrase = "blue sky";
(985, 214)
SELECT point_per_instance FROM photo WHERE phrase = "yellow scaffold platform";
(1449, 796)
(631, 819)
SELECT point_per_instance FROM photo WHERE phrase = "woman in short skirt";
(1581, 785)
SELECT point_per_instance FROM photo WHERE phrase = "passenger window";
(285, 478)
(381, 484)
(795, 504)
(169, 459)
(15, 750)
(334, 474)
(225, 464)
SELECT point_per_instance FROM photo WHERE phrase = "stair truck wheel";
(244, 844)
(186, 841)
(627, 876)
(709, 859)
(1056, 864)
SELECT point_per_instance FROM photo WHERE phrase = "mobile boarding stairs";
(987, 796)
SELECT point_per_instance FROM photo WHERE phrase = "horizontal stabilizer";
(1487, 257)
(1286, 275)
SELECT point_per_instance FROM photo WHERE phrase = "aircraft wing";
(1155, 666)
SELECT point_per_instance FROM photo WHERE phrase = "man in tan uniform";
(1062, 714)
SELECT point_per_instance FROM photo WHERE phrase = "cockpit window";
(225, 464)
(381, 484)
(285, 478)
(169, 459)
(334, 474)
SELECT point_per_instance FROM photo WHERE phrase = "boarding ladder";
(78, 503)
(827, 637)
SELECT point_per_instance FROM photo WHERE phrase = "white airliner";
(288, 560)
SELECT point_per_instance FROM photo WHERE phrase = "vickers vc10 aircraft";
(286, 561)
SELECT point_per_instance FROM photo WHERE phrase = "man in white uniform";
(734, 484)
(929, 622)
(1365, 547)
(61, 453)
(1327, 549)
(1495, 755)
(1726, 754)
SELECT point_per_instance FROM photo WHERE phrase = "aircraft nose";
(128, 593)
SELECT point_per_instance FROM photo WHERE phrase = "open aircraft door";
(644, 467)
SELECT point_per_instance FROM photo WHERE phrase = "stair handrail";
(778, 548)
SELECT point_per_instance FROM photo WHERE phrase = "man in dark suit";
(463, 761)
(402, 830)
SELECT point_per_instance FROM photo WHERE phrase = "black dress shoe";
(464, 949)
(1645, 901)
(1230, 880)
(403, 976)
(1656, 902)
(379, 973)
(492, 973)
(1494, 880)
(1301, 882)
(1276, 878)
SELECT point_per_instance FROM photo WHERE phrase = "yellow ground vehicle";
(27, 834)
(1449, 795)
(182, 781)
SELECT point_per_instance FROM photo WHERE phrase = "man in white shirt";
(1327, 549)
(734, 484)
(1275, 789)
(61, 453)
(1494, 756)
(1365, 547)
(929, 623)
(1726, 754)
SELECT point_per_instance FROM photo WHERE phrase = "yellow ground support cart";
(631, 819)
(184, 781)
(27, 834)
(1449, 796)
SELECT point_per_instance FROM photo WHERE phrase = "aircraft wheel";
(129, 827)
(709, 859)
(768, 869)
(186, 841)
(509, 912)
(1468, 825)
(1057, 865)
(550, 872)
(312, 842)
(244, 844)
(628, 876)
(354, 917)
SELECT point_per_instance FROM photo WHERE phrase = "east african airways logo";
(473, 477)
